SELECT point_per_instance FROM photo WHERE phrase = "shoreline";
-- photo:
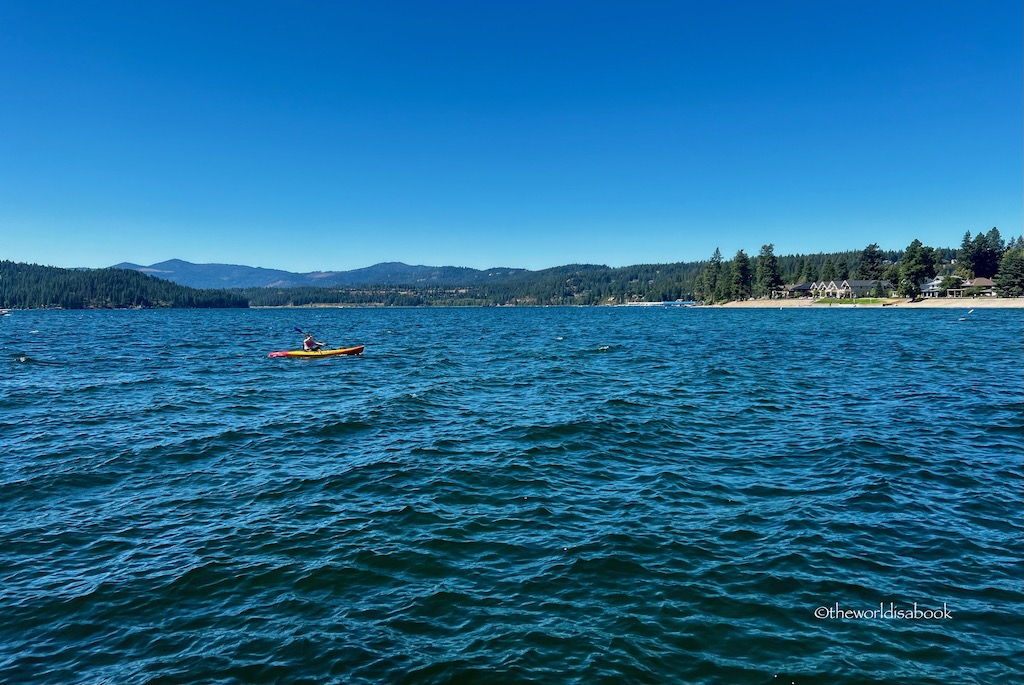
(902, 303)
(801, 303)
(796, 303)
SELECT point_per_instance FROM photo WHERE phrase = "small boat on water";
(317, 354)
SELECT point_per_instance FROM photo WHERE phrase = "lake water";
(605, 495)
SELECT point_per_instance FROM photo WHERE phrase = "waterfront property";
(984, 287)
(971, 287)
(797, 290)
(849, 287)
(932, 288)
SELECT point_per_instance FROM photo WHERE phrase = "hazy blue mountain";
(219, 275)
(388, 273)
(397, 273)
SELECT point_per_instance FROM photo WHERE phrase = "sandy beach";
(929, 303)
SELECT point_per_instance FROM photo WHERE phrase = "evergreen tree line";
(986, 255)
(716, 280)
(983, 256)
(30, 286)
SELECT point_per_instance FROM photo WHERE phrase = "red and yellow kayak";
(316, 354)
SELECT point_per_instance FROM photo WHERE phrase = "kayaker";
(309, 344)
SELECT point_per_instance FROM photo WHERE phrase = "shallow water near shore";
(556, 495)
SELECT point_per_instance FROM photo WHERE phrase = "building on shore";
(980, 287)
(851, 287)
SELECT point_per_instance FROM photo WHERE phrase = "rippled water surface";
(512, 495)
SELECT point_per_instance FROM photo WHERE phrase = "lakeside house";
(983, 287)
(932, 288)
(797, 290)
(973, 287)
(849, 287)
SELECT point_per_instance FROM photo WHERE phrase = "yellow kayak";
(315, 354)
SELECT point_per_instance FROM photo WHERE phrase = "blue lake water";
(604, 495)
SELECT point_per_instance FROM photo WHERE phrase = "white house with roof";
(932, 288)
(849, 287)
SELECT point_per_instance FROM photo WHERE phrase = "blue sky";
(326, 134)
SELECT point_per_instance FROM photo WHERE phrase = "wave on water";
(702, 496)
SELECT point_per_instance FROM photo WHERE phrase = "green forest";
(713, 281)
(573, 284)
(29, 286)
(985, 255)
(716, 280)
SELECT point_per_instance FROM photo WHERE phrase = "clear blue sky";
(334, 134)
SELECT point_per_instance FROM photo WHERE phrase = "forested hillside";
(573, 284)
(715, 280)
(29, 286)
(985, 255)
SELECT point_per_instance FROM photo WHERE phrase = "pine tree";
(711, 277)
(801, 273)
(767, 279)
(842, 269)
(1010, 277)
(988, 251)
(871, 266)
(965, 256)
(739, 277)
(916, 266)
(828, 270)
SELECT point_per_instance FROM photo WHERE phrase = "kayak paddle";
(314, 339)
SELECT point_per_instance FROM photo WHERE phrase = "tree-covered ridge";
(30, 286)
(589, 284)
(716, 280)
(573, 284)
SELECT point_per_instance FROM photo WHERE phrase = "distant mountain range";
(387, 273)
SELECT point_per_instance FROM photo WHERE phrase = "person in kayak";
(310, 344)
